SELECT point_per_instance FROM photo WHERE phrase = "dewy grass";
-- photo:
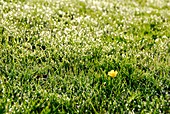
(55, 56)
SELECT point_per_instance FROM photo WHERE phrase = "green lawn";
(55, 56)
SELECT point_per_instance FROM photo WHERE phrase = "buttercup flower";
(112, 73)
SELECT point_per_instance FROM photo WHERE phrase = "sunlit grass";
(58, 56)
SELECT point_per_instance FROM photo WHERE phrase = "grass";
(55, 56)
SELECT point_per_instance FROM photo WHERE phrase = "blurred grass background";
(55, 56)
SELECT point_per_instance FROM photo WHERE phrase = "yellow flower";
(112, 73)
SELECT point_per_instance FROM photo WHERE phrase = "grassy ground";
(55, 56)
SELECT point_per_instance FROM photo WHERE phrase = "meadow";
(55, 56)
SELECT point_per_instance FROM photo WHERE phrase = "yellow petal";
(112, 73)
